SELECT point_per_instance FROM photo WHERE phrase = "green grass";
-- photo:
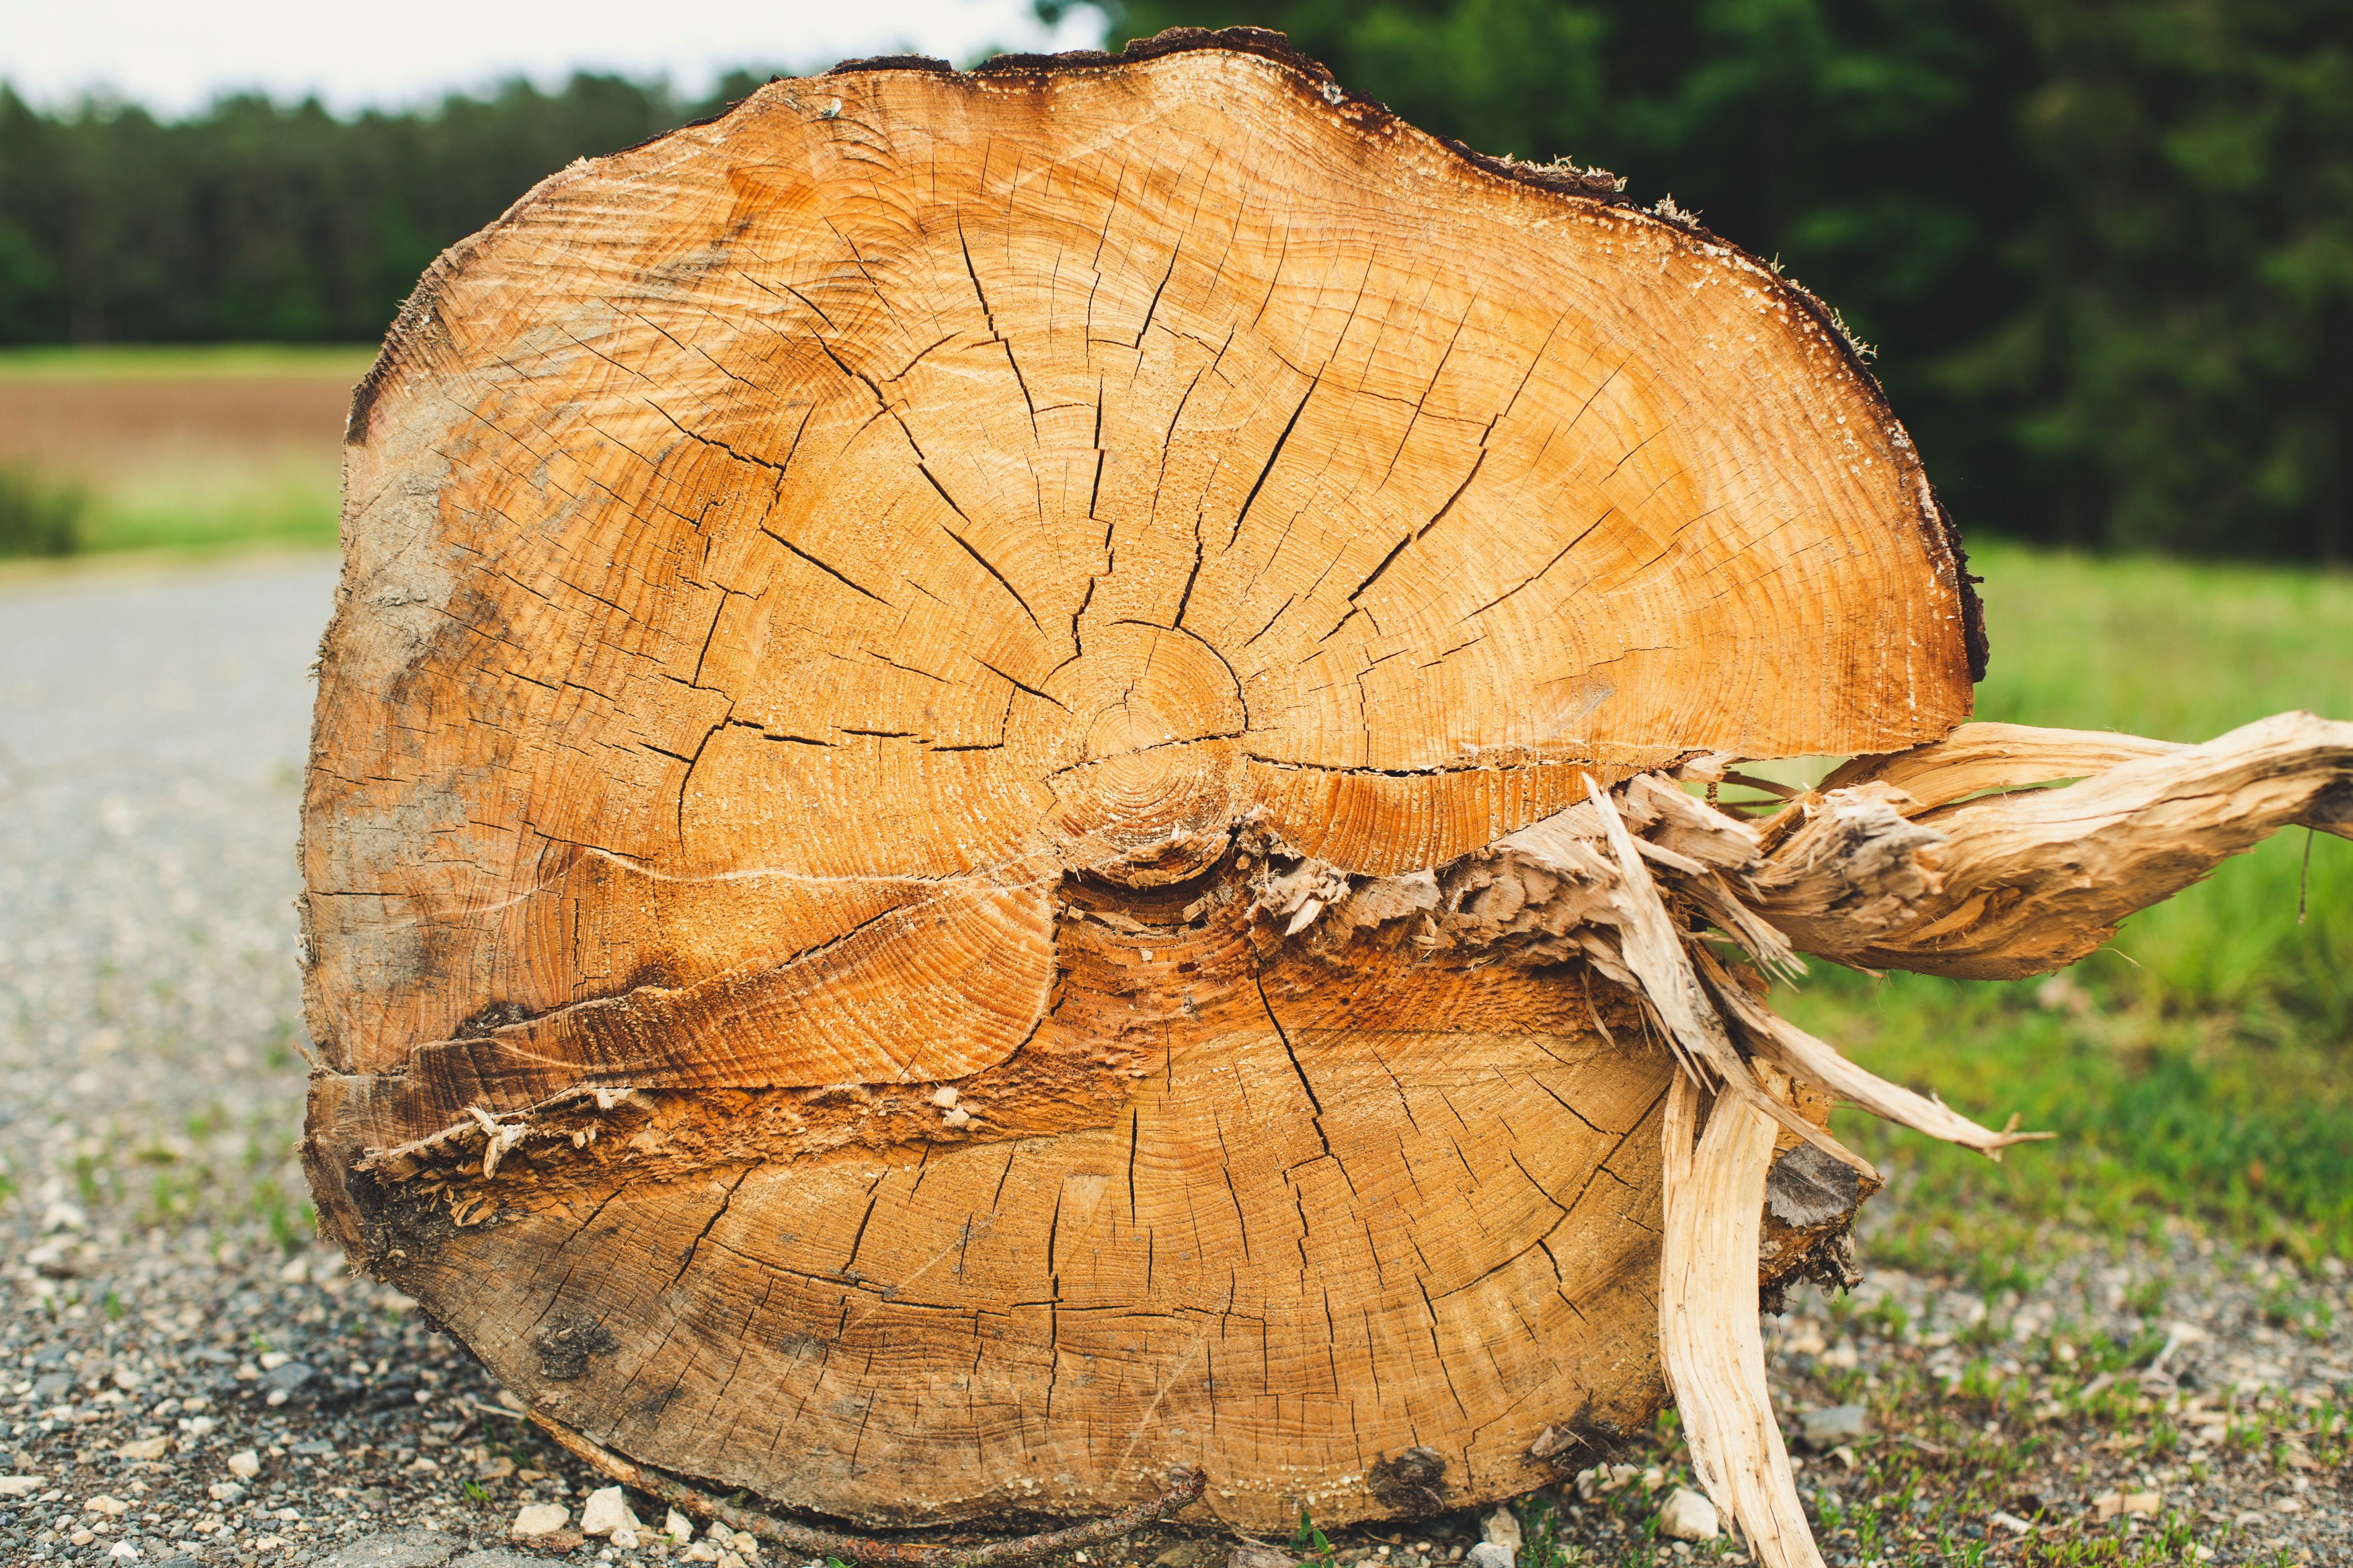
(174, 361)
(182, 505)
(173, 499)
(189, 506)
(2196, 1068)
(2023, 1427)
(38, 517)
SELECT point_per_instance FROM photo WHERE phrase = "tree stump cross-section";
(880, 636)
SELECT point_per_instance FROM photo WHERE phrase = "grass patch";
(196, 505)
(189, 448)
(38, 516)
(1995, 1456)
(2207, 1117)
(2197, 1066)
(188, 361)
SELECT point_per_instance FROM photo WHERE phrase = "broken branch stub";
(982, 819)
(2029, 880)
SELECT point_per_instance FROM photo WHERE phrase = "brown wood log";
(920, 896)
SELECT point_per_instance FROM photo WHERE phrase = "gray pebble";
(1839, 1424)
(396, 1549)
(290, 1376)
(1487, 1554)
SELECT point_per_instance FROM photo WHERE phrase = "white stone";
(540, 1519)
(245, 1464)
(145, 1448)
(626, 1538)
(114, 1508)
(1501, 1528)
(1687, 1516)
(1827, 1429)
(1487, 1554)
(1253, 1554)
(701, 1552)
(679, 1528)
(605, 1511)
(944, 1097)
(20, 1486)
(124, 1550)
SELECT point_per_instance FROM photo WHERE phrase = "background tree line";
(2103, 247)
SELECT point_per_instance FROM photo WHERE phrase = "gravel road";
(166, 1310)
(186, 1375)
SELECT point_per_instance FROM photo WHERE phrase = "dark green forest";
(261, 222)
(2104, 248)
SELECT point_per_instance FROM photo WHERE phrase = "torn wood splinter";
(1708, 1332)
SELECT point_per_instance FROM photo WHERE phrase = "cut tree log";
(991, 811)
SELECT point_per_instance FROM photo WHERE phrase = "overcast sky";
(176, 56)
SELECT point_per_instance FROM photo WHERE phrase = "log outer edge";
(1599, 188)
(1001, 1553)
